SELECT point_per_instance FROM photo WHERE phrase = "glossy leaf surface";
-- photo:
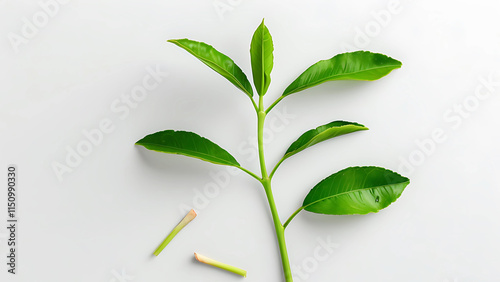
(261, 53)
(217, 61)
(322, 133)
(355, 190)
(188, 144)
(359, 65)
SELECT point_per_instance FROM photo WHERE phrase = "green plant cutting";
(212, 262)
(354, 190)
(185, 221)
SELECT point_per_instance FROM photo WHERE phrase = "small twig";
(212, 262)
(190, 216)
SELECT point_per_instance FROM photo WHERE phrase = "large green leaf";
(261, 53)
(355, 190)
(217, 61)
(359, 65)
(322, 133)
(188, 144)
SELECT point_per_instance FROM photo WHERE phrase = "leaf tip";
(140, 142)
(399, 64)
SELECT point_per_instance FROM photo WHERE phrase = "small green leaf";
(261, 51)
(217, 61)
(355, 190)
(319, 134)
(322, 133)
(359, 65)
(188, 144)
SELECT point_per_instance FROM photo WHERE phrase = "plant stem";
(266, 182)
(249, 173)
(212, 262)
(274, 104)
(254, 104)
(280, 231)
(276, 167)
(187, 219)
(292, 216)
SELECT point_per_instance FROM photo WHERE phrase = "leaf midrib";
(217, 65)
(262, 80)
(347, 192)
(185, 150)
(330, 77)
(308, 144)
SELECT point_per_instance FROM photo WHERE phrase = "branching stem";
(254, 104)
(250, 173)
(266, 183)
(275, 168)
(292, 216)
(274, 104)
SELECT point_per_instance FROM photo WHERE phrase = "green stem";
(274, 104)
(254, 104)
(280, 231)
(292, 216)
(189, 216)
(266, 182)
(212, 262)
(249, 173)
(275, 168)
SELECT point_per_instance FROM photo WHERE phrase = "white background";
(102, 220)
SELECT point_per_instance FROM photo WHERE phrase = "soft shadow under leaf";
(355, 190)
(188, 144)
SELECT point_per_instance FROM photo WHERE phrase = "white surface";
(110, 212)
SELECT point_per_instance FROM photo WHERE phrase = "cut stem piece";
(187, 219)
(209, 261)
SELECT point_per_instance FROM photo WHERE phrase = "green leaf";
(216, 61)
(188, 144)
(355, 190)
(359, 65)
(322, 133)
(261, 51)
